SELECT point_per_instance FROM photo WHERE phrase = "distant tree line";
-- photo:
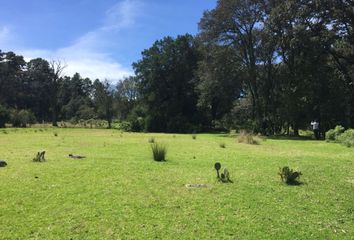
(266, 66)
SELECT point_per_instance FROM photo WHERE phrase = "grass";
(118, 192)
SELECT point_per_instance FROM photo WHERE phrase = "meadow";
(119, 192)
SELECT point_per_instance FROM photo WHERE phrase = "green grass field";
(119, 192)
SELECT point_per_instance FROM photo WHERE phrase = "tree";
(236, 24)
(166, 83)
(103, 100)
(126, 96)
(57, 68)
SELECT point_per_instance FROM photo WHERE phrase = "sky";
(97, 38)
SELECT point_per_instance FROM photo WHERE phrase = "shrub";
(151, 140)
(222, 145)
(333, 134)
(347, 138)
(22, 118)
(289, 176)
(159, 152)
(248, 138)
(4, 116)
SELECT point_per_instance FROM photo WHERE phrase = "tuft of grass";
(194, 136)
(55, 134)
(159, 152)
(222, 145)
(151, 140)
(289, 176)
(247, 138)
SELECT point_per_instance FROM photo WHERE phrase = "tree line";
(266, 66)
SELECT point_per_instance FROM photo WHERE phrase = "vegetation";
(269, 67)
(159, 152)
(340, 135)
(119, 193)
(249, 138)
(289, 176)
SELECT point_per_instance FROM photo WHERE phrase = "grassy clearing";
(119, 192)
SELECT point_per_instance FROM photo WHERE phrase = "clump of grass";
(222, 145)
(248, 138)
(151, 140)
(194, 136)
(159, 152)
(55, 134)
(289, 176)
(4, 132)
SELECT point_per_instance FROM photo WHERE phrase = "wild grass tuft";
(151, 140)
(248, 138)
(222, 145)
(194, 136)
(159, 152)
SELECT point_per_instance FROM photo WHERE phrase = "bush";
(248, 138)
(333, 134)
(347, 138)
(22, 118)
(289, 176)
(4, 116)
(159, 152)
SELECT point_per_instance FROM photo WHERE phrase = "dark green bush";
(159, 152)
(4, 116)
(20, 118)
(289, 176)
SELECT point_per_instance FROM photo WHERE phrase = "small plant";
(248, 138)
(151, 140)
(39, 157)
(55, 134)
(194, 136)
(223, 177)
(289, 176)
(159, 152)
(222, 145)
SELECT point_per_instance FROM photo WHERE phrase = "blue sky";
(98, 39)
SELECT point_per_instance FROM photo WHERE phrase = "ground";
(119, 192)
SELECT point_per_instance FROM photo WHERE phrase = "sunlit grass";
(119, 192)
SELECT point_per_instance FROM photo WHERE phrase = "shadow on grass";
(294, 183)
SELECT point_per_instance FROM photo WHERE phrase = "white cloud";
(4, 35)
(89, 54)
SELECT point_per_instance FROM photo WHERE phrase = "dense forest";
(266, 66)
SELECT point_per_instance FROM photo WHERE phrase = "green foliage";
(4, 116)
(159, 152)
(194, 136)
(20, 118)
(347, 138)
(340, 135)
(222, 145)
(151, 140)
(289, 176)
(333, 134)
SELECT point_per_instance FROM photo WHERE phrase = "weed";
(159, 152)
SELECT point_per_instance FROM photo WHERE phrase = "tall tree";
(103, 100)
(166, 83)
